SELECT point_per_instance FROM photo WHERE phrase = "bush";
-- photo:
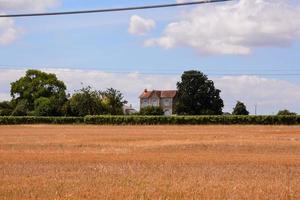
(156, 120)
(152, 110)
(6, 108)
(86, 102)
(21, 108)
(240, 109)
(286, 112)
(193, 120)
(43, 107)
(40, 120)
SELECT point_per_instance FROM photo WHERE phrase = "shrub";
(156, 120)
(240, 109)
(6, 108)
(193, 120)
(286, 112)
(152, 110)
(86, 102)
(43, 107)
(40, 120)
(21, 108)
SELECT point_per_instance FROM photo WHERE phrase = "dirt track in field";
(149, 162)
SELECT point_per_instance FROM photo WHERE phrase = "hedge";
(193, 120)
(40, 120)
(156, 120)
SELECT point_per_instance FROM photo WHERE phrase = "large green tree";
(240, 109)
(113, 101)
(86, 102)
(35, 85)
(197, 95)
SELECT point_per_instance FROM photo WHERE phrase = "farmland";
(149, 162)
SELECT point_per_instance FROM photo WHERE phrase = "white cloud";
(8, 30)
(140, 26)
(269, 94)
(234, 28)
(27, 5)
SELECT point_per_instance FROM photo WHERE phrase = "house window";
(167, 102)
(155, 102)
(145, 102)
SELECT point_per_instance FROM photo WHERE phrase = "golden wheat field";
(149, 162)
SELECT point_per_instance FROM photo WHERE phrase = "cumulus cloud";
(27, 5)
(140, 26)
(234, 28)
(9, 32)
(269, 94)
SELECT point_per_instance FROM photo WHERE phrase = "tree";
(43, 107)
(286, 112)
(20, 108)
(113, 101)
(36, 84)
(197, 95)
(152, 110)
(240, 109)
(6, 108)
(86, 102)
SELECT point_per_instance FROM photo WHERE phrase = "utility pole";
(255, 108)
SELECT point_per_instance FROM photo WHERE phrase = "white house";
(165, 99)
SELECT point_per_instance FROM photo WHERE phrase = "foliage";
(240, 109)
(20, 108)
(286, 112)
(152, 110)
(192, 120)
(86, 102)
(34, 85)
(6, 108)
(43, 107)
(156, 120)
(197, 95)
(7, 120)
(66, 109)
(42, 94)
(113, 101)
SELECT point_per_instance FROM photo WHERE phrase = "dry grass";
(145, 162)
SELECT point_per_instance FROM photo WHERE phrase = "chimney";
(146, 90)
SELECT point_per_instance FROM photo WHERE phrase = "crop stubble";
(149, 162)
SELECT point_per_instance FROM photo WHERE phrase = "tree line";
(42, 94)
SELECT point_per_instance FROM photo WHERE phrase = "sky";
(249, 48)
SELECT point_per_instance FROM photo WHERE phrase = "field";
(149, 162)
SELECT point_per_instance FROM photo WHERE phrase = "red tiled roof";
(168, 93)
(159, 93)
(146, 94)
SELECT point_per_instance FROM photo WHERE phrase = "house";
(165, 99)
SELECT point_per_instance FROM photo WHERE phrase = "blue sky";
(102, 42)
